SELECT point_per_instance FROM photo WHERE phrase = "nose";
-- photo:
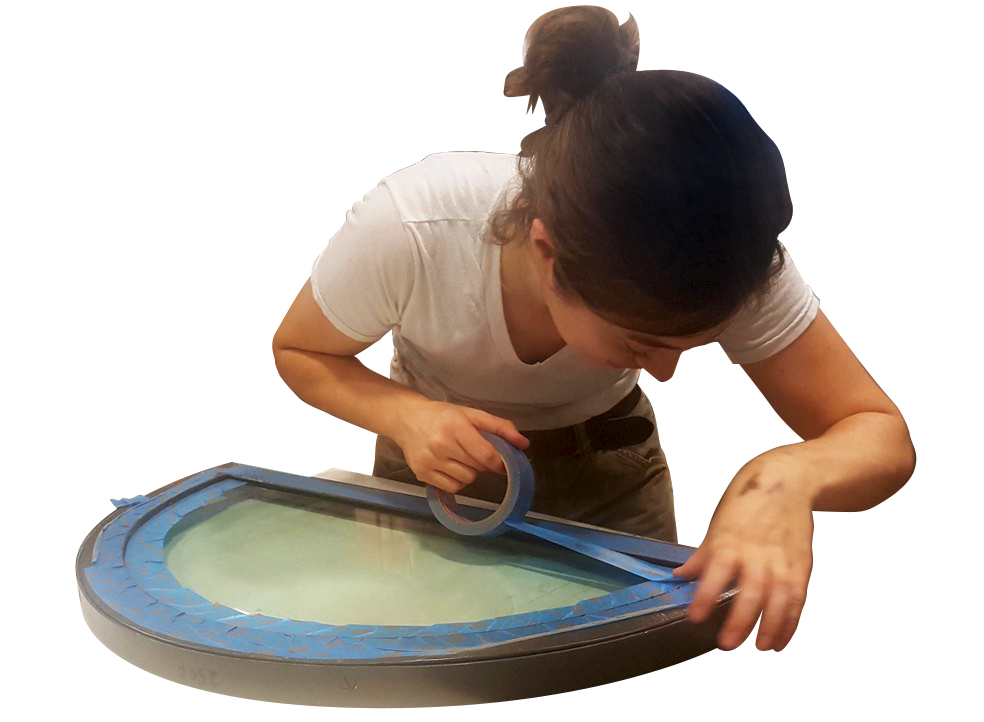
(661, 364)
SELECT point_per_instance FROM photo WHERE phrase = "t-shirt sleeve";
(363, 279)
(772, 320)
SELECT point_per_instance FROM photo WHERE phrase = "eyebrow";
(649, 342)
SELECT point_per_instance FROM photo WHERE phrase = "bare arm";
(317, 362)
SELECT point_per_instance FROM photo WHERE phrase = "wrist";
(790, 470)
(403, 417)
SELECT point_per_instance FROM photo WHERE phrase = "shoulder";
(772, 319)
(462, 185)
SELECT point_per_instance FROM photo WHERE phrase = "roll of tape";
(520, 486)
(511, 515)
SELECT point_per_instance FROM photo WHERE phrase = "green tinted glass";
(288, 556)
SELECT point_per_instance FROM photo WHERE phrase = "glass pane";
(288, 556)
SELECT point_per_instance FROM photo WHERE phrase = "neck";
(519, 280)
(531, 327)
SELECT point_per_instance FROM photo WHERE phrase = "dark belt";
(610, 430)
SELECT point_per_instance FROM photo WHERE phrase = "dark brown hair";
(664, 196)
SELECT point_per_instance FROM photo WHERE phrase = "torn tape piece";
(122, 503)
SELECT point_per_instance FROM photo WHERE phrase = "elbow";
(910, 460)
(280, 355)
(281, 340)
(904, 456)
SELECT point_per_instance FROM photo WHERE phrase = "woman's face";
(598, 340)
(606, 344)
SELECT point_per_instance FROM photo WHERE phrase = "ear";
(543, 252)
(544, 245)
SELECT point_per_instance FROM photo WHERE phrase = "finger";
(441, 481)
(794, 611)
(689, 570)
(692, 568)
(774, 613)
(720, 570)
(457, 456)
(480, 452)
(464, 474)
(786, 635)
(802, 568)
(788, 629)
(446, 463)
(753, 586)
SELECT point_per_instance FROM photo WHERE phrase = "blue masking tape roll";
(517, 501)
(511, 515)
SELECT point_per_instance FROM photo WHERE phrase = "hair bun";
(568, 52)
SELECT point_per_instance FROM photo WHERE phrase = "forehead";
(673, 334)
(674, 341)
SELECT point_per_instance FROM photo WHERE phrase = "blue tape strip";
(603, 554)
(511, 514)
(659, 552)
(120, 503)
(129, 574)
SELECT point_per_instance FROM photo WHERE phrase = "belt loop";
(583, 442)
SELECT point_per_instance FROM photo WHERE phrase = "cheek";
(583, 340)
(583, 336)
(571, 325)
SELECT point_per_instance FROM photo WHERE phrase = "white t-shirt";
(411, 258)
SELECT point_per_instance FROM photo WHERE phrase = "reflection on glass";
(287, 556)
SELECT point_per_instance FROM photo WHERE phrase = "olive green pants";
(625, 489)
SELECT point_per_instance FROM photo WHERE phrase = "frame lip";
(645, 616)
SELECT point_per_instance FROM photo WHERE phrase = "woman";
(525, 296)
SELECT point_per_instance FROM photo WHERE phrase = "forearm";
(343, 387)
(856, 464)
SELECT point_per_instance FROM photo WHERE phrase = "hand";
(443, 447)
(761, 534)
